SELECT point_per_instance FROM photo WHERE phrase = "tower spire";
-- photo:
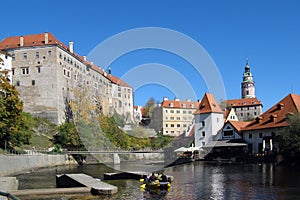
(248, 88)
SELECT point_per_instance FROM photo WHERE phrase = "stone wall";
(11, 164)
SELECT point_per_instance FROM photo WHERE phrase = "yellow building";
(173, 117)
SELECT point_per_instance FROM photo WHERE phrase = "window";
(25, 70)
(184, 105)
(172, 118)
(184, 112)
(18, 83)
(260, 135)
(172, 131)
(203, 143)
(13, 71)
(33, 82)
(119, 94)
(273, 134)
(177, 111)
(39, 69)
(228, 133)
(203, 123)
(172, 125)
(166, 125)
(241, 114)
(171, 104)
(49, 53)
(184, 125)
(190, 112)
(192, 105)
(25, 56)
(255, 113)
(203, 133)
(178, 118)
(250, 135)
(13, 56)
(171, 111)
(37, 54)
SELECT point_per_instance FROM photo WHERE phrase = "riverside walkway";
(112, 152)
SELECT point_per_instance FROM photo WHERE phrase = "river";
(197, 180)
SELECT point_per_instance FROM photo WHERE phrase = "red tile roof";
(29, 41)
(243, 102)
(179, 104)
(208, 105)
(276, 116)
(39, 40)
(238, 125)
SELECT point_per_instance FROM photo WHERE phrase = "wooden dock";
(82, 180)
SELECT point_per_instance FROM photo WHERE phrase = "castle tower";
(248, 88)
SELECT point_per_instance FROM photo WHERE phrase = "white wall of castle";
(45, 75)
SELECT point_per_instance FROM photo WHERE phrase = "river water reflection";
(198, 180)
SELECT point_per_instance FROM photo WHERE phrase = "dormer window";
(280, 106)
(171, 105)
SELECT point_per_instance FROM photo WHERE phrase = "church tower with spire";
(248, 88)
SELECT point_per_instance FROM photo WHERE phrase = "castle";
(46, 72)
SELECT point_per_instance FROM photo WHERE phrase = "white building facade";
(209, 119)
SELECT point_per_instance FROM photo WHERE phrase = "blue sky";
(267, 32)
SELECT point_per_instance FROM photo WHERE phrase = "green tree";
(289, 139)
(14, 129)
(68, 137)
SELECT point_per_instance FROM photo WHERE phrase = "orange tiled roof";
(208, 105)
(227, 111)
(117, 81)
(179, 104)
(39, 40)
(29, 41)
(243, 102)
(276, 115)
(238, 125)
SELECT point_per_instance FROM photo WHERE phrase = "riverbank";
(16, 164)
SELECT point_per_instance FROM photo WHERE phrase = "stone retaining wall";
(13, 164)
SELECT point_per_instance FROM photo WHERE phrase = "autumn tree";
(148, 108)
(14, 128)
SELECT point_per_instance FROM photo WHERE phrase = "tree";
(289, 139)
(148, 109)
(14, 130)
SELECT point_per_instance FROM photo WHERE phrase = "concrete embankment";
(14, 164)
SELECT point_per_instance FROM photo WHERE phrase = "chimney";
(188, 100)
(46, 38)
(71, 47)
(165, 98)
(109, 70)
(21, 41)
(84, 58)
(176, 99)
